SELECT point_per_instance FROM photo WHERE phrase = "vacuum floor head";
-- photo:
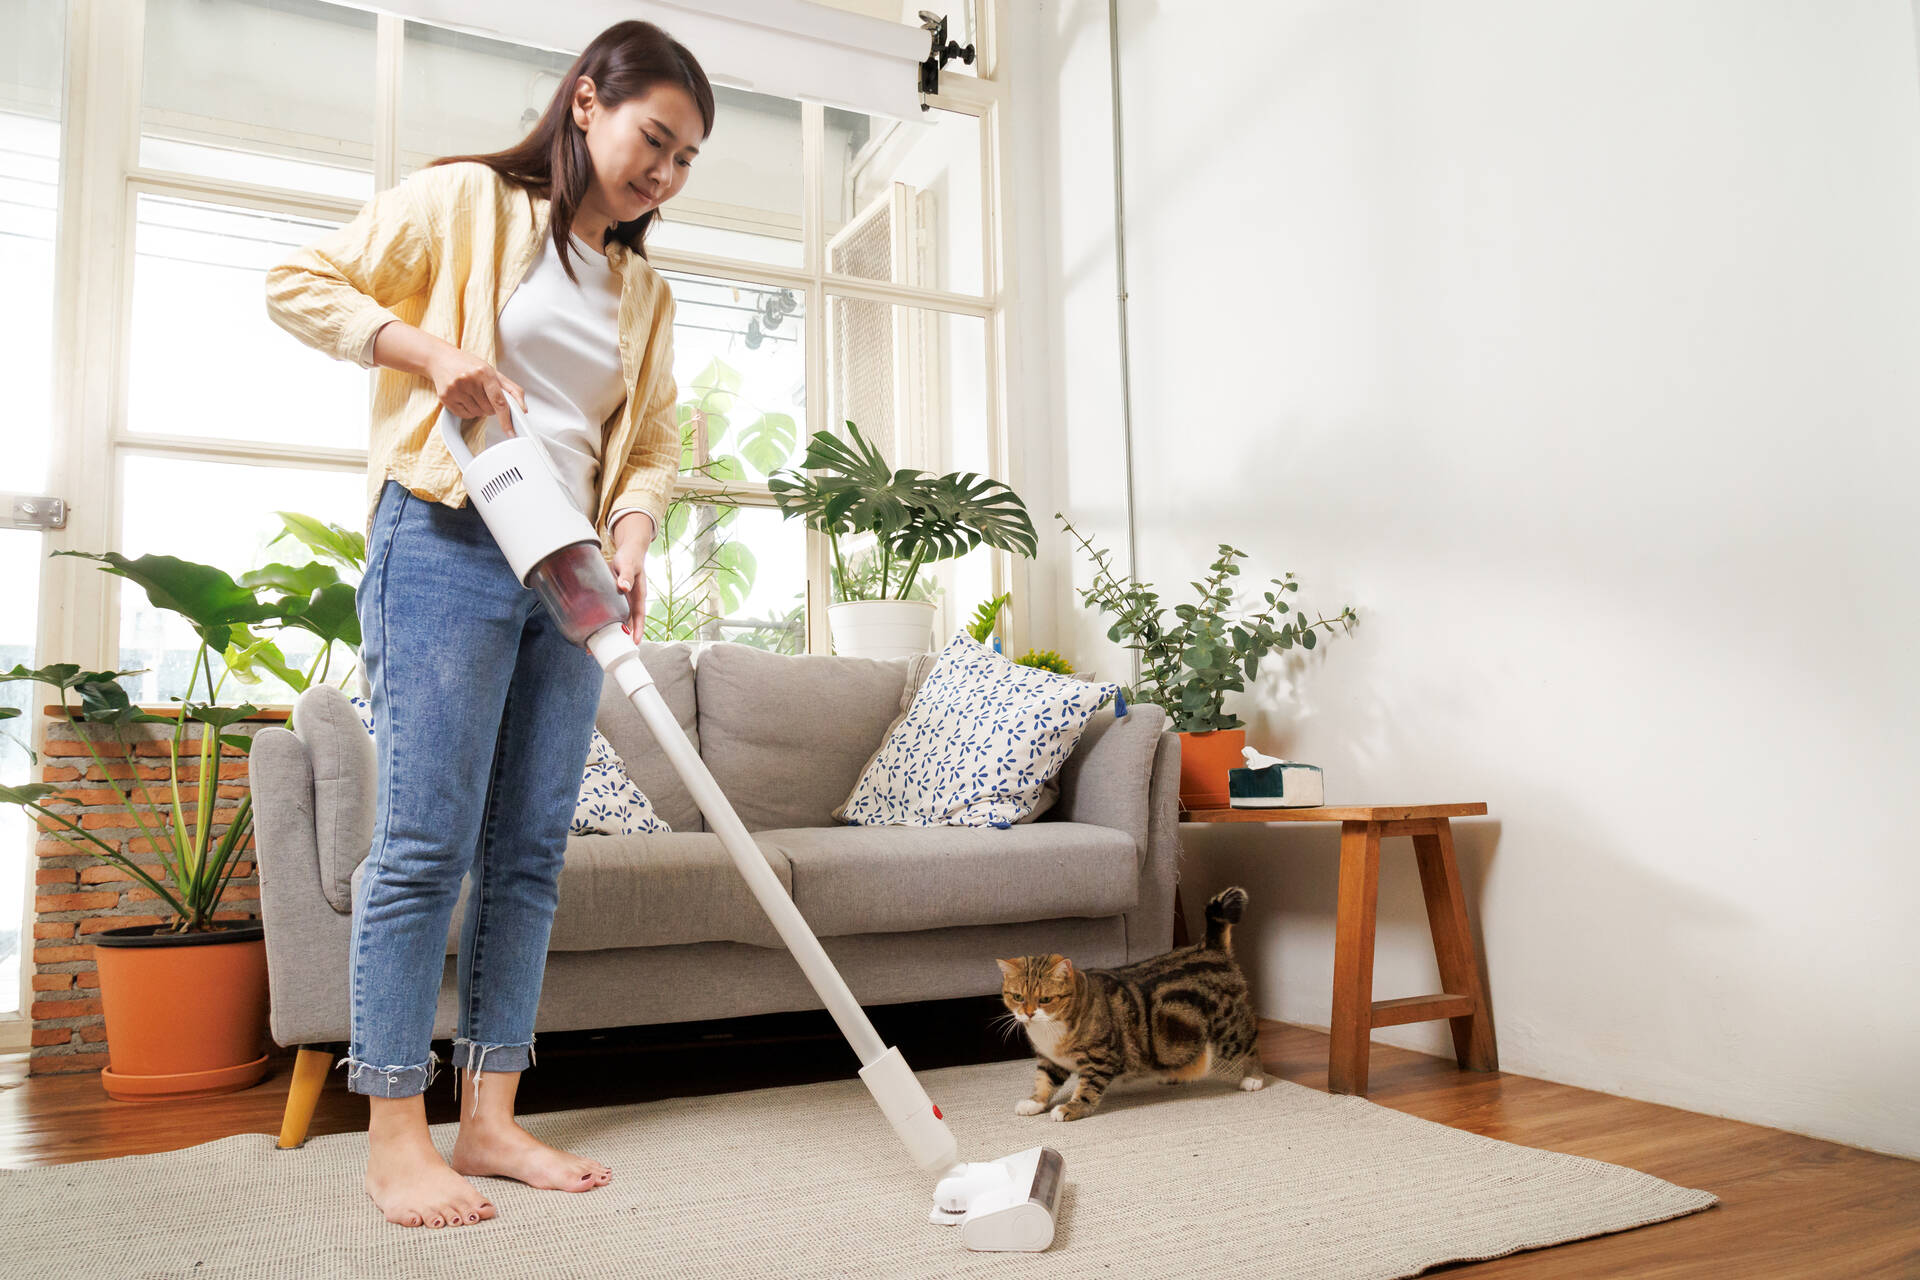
(1004, 1205)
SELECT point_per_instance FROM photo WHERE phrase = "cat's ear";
(1008, 967)
(1062, 969)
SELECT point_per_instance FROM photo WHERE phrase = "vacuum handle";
(456, 440)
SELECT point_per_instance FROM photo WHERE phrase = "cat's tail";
(1224, 912)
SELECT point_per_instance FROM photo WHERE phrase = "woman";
(522, 274)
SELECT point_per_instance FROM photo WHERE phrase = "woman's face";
(642, 150)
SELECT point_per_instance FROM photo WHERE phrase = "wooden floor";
(1790, 1206)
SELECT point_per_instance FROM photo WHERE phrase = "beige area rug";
(1196, 1180)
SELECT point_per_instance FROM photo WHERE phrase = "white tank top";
(560, 340)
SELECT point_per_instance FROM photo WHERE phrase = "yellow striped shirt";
(443, 251)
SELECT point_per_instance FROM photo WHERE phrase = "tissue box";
(1278, 786)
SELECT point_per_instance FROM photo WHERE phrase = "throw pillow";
(609, 804)
(977, 746)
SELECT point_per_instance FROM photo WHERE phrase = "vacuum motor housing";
(548, 543)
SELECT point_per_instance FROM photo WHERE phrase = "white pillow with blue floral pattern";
(977, 746)
(609, 803)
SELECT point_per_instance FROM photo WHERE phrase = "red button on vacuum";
(936, 1112)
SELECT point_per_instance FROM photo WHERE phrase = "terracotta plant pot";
(186, 1013)
(1205, 759)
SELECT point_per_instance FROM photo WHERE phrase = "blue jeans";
(483, 713)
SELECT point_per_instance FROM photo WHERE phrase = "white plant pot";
(881, 628)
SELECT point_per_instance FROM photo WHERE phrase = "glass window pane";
(739, 355)
(199, 278)
(742, 199)
(222, 514)
(914, 381)
(280, 94)
(729, 573)
(464, 94)
(904, 199)
(29, 215)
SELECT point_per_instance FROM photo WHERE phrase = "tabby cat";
(1176, 1017)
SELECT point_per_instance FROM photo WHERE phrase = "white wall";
(1574, 344)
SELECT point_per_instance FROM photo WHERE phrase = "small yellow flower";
(1046, 660)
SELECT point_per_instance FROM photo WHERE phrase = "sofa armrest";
(307, 939)
(1150, 923)
(1105, 780)
(1125, 773)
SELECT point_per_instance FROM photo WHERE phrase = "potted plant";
(1189, 665)
(185, 1002)
(914, 519)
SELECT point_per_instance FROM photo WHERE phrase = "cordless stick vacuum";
(1005, 1204)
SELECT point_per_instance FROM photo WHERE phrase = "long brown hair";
(625, 61)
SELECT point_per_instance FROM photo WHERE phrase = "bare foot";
(502, 1149)
(413, 1186)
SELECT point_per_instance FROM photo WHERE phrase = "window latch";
(944, 51)
(35, 511)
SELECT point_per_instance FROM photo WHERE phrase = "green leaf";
(103, 701)
(767, 442)
(297, 580)
(238, 741)
(242, 659)
(328, 613)
(208, 598)
(28, 793)
(987, 617)
(737, 566)
(343, 547)
(8, 713)
(217, 716)
(718, 385)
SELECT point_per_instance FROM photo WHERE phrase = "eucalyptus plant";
(196, 862)
(1189, 665)
(915, 518)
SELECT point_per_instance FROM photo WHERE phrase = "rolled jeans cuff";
(478, 1057)
(377, 1081)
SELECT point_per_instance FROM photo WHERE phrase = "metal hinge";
(36, 511)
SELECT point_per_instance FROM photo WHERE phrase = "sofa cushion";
(849, 880)
(610, 803)
(648, 891)
(671, 666)
(982, 738)
(786, 735)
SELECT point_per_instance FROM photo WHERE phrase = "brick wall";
(79, 894)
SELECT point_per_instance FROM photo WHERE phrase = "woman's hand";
(632, 535)
(472, 388)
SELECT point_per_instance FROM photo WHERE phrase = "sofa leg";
(309, 1074)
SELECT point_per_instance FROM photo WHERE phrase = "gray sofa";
(660, 928)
